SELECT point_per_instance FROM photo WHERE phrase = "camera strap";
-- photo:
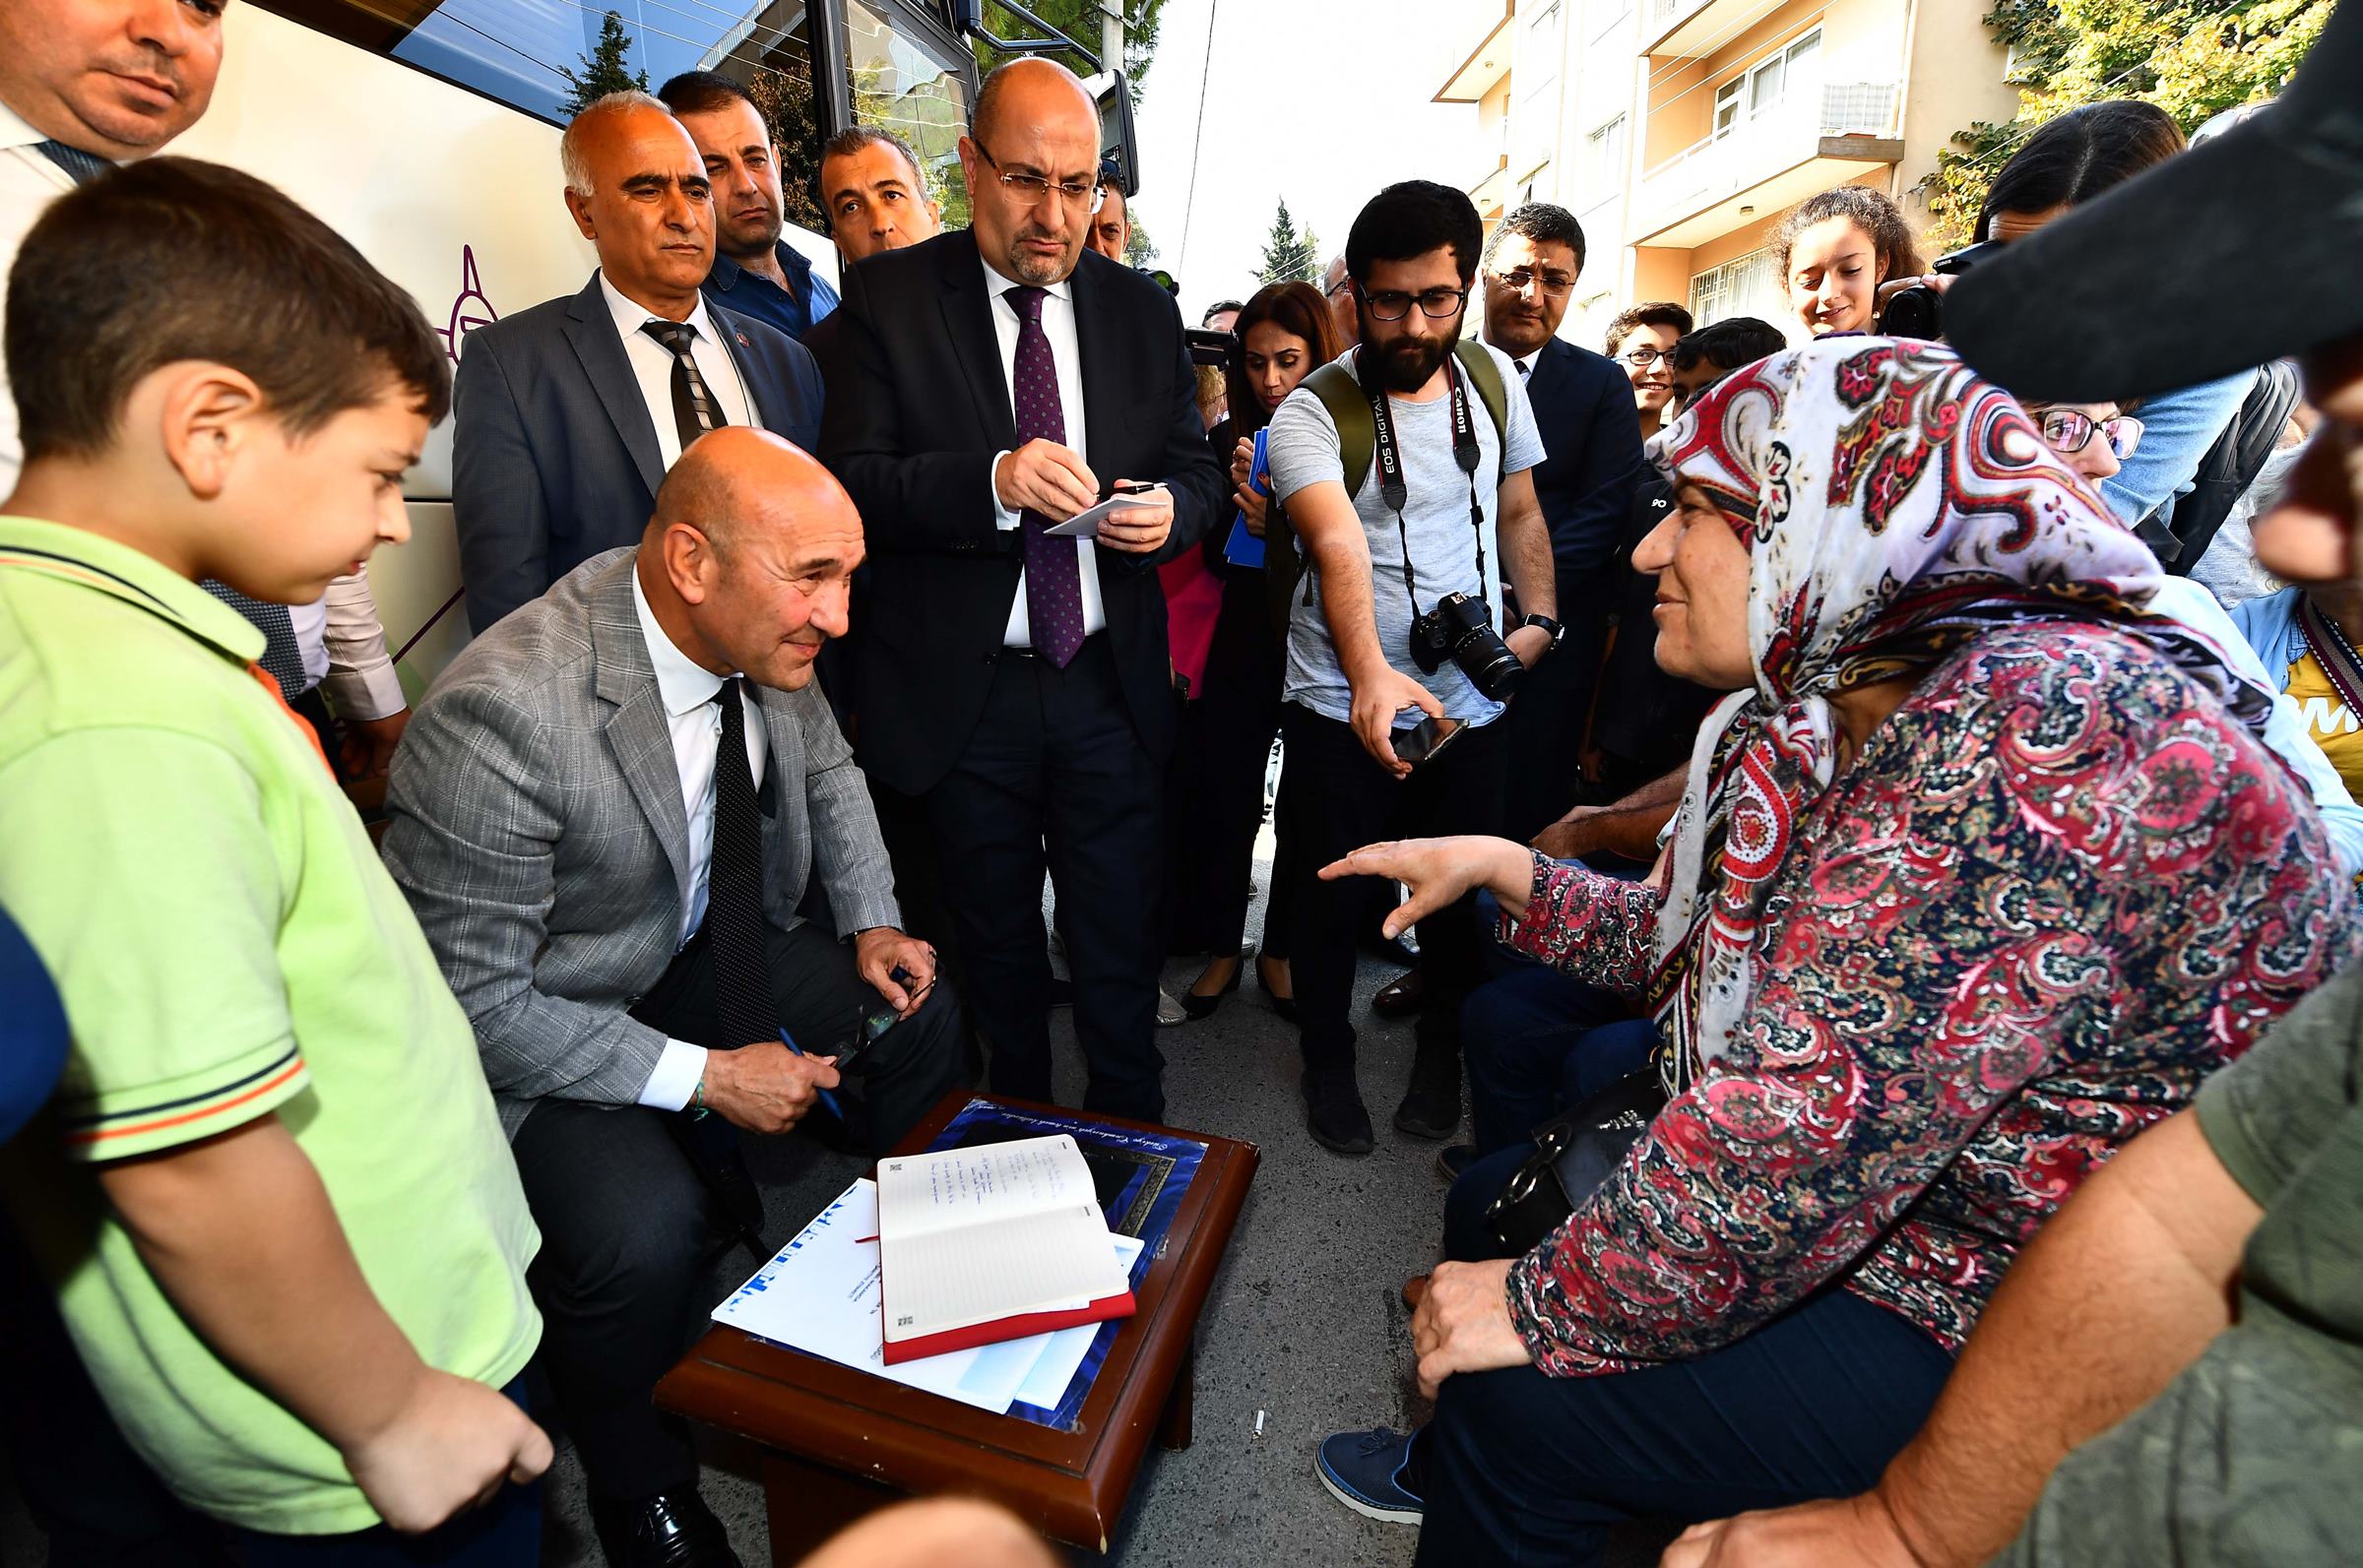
(1395, 493)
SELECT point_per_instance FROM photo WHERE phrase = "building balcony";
(1693, 29)
(1487, 63)
(1806, 143)
(1489, 193)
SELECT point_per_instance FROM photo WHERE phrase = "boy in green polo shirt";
(271, 1193)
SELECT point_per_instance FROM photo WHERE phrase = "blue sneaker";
(1365, 1472)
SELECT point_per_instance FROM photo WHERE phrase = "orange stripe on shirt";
(101, 1135)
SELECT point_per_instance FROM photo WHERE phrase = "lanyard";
(1394, 492)
(2333, 653)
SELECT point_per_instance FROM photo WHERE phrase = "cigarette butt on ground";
(1259, 1423)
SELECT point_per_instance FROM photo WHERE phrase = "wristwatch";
(1547, 624)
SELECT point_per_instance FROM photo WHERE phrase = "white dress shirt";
(1058, 326)
(652, 362)
(342, 646)
(686, 689)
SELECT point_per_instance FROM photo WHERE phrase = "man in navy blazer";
(1592, 444)
(569, 413)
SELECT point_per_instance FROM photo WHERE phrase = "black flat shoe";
(1201, 1004)
(1333, 1110)
(1284, 1006)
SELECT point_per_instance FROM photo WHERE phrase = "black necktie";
(1524, 369)
(735, 925)
(84, 166)
(694, 410)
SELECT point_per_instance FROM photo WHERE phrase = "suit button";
(633, 1000)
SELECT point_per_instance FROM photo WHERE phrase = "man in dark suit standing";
(570, 412)
(1592, 438)
(984, 386)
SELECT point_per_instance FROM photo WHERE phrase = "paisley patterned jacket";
(2059, 887)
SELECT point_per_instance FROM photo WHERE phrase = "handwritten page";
(975, 1236)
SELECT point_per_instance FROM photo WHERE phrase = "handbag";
(1574, 1151)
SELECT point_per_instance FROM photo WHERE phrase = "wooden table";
(838, 1443)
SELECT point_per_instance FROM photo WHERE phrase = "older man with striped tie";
(570, 414)
(85, 84)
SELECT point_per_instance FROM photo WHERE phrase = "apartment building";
(1679, 131)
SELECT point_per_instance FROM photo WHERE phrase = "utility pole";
(1112, 36)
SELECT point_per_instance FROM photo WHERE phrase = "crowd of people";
(1881, 895)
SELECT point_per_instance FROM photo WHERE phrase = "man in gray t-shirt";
(1355, 694)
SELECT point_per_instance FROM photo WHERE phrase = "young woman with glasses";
(1639, 341)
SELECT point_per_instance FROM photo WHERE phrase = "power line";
(1197, 134)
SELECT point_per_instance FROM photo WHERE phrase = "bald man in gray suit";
(605, 814)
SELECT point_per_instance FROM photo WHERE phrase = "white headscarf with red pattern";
(1894, 506)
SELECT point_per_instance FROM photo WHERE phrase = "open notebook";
(979, 1246)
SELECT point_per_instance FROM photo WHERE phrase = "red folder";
(1016, 1327)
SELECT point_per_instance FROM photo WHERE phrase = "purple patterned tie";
(1053, 574)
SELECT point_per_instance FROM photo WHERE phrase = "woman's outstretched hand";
(1439, 872)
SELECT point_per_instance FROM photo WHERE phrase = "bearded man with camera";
(1406, 471)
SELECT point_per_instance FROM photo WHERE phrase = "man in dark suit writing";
(984, 386)
(570, 412)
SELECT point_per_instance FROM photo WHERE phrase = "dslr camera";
(1462, 629)
(1919, 312)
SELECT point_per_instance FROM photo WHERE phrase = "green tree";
(1287, 256)
(1079, 20)
(2193, 58)
(606, 69)
(1140, 249)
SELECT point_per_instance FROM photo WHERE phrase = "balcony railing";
(1784, 133)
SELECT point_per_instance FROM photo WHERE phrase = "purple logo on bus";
(471, 310)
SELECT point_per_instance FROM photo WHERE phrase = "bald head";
(1034, 134)
(747, 559)
(637, 188)
(1029, 92)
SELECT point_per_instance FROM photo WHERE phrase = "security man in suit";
(569, 413)
(984, 386)
(605, 814)
(1592, 441)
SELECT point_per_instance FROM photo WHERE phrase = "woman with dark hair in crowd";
(2071, 161)
(1980, 871)
(1215, 791)
(1834, 250)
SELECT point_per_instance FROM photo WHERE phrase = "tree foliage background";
(606, 69)
(1288, 252)
(1079, 20)
(2193, 58)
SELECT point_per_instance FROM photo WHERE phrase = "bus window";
(911, 78)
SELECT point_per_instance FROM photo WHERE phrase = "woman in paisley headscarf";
(1980, 871)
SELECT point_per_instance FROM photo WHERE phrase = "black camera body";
(1919, 312)
(1462, 629)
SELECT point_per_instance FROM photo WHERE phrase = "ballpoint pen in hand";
(826, 1097)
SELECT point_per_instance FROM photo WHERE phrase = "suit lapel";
(592, 332)
(1550, 368)
(771, 402)
(968, 323)
(637, 733)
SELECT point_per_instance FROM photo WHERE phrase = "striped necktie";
(83, 167)
(694, 410)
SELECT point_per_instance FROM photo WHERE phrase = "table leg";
(1173, 1425)
(806, 1503)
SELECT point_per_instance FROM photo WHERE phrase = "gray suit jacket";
(537, 830)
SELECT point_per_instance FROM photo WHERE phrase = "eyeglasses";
(1032, 188)
(1554, 284)
(2067, 431)
(1642, 358)
(1392, 304)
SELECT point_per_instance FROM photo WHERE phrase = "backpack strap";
(1485, 376)
(1350, 411)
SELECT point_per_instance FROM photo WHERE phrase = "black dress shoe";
(1403, 996)
(672, 1530)
(1333, 1110)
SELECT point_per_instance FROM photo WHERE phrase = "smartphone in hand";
(1424, 740)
